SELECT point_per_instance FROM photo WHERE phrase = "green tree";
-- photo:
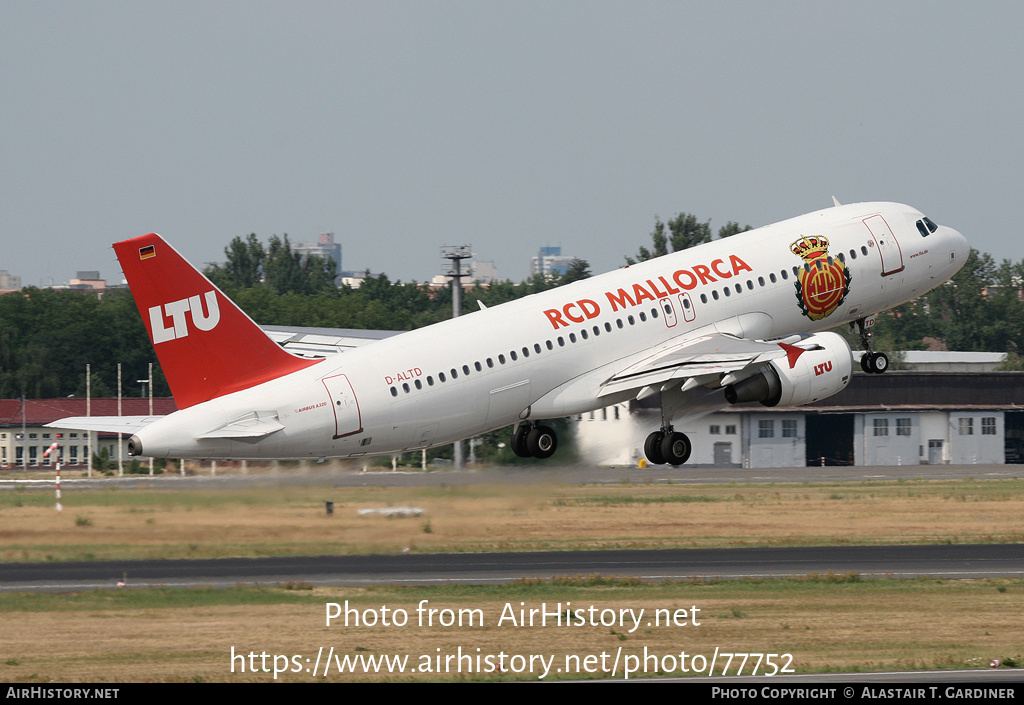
(680, 233)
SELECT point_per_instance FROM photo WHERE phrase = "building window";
(988, 425)
(966, 426)
(766, 429)
(902, 427)
(789, 428)
(881, 427)
(730, 430)
(715, 430)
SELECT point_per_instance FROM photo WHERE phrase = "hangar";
(899, 418)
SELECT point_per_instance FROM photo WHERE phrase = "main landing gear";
(871, 362)
(667, 446)
(534, 441)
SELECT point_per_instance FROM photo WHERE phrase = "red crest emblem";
(823, 282)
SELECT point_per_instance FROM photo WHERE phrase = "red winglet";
(207, 346)
(793, 353)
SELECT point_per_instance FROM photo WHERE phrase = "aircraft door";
(670, 312)
(347, 418)
(689, 313)
(888, 246)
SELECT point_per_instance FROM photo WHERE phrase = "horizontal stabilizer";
(104, 424)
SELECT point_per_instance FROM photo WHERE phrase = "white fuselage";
(548, 354)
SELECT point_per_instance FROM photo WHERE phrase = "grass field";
(122, 524)
(826, 623)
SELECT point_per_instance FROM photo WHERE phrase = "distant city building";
(9, 282)
(325, 247)
(550, 262)
(87, 280)
(483, 272)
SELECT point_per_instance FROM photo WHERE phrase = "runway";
(942, 561)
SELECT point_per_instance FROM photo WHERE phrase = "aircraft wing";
(323, 342)
(104, 424)
(698, 361)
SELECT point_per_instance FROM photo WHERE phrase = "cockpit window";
(926, 227)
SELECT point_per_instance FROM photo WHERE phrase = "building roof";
(43, 411)
(898, 389)
(905, 391)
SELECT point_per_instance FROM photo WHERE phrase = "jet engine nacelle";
(823, 369)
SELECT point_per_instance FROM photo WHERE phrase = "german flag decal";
(147, 252)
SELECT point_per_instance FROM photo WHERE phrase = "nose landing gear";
(871, 362)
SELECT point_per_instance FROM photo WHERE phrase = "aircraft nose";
(959, 248)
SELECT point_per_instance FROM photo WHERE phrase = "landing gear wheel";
(874, 363)
(880, 363)
(519, 446)
(675, 448)
(541, 442)
(867, 363)
(652, 448)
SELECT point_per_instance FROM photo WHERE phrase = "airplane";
(743, 315)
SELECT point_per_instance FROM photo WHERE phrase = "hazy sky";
(403, 126)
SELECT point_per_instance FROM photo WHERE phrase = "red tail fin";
(206, 345)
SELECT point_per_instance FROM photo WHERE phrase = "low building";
(24, 436)
(898, 418)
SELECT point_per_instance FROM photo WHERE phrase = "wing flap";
(703, 359)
